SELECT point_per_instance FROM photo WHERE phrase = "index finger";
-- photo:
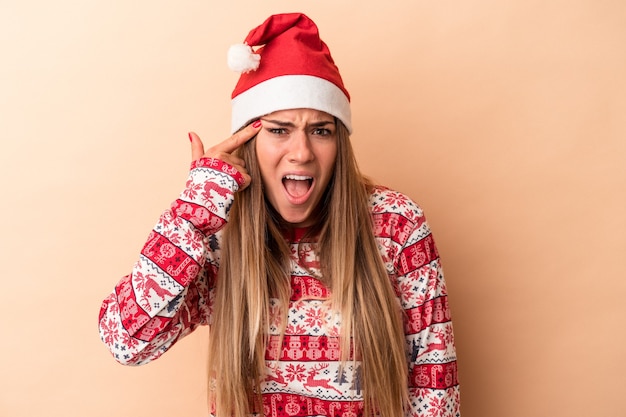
(238, 138)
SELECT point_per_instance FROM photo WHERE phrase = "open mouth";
(297, 186)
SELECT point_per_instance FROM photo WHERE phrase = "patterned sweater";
(169, 294)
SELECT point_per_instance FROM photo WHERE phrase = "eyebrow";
(282, 123)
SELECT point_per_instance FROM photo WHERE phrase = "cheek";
(263, 156)
(267, 162)
(330, 158)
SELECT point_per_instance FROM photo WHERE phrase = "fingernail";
(257, 123)
(190, 137)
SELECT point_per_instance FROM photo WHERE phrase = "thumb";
(197, 148)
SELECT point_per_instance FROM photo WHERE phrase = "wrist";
(220, 166)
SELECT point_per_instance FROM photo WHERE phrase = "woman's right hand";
(224, 150)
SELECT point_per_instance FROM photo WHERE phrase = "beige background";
(505, 120)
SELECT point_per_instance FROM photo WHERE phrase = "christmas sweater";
(170, 290)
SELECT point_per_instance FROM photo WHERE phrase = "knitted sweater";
(169, 294)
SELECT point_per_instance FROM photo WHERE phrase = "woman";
(324, 293)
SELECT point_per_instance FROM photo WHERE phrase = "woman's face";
(296, 150)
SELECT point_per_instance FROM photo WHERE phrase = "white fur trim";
(290, 92)
(241, 58)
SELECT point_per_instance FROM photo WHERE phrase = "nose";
(300, 150)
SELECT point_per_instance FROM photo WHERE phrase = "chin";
(297, 220)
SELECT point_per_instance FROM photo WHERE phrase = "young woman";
(324, 292)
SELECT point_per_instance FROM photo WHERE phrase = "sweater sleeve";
(168, 293)
(412, 259)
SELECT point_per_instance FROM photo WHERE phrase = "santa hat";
(290, 68)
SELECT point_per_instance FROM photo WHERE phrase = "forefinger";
(238, 139)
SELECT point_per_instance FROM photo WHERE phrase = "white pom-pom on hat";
(241, 58)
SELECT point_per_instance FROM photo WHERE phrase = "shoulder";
(385, 200)
(396, 215)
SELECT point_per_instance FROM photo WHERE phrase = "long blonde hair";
(255, 266)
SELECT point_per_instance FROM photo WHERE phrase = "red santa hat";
(290, 68)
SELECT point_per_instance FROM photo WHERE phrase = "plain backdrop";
(504, 120)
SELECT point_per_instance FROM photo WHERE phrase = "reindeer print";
(313, 382)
